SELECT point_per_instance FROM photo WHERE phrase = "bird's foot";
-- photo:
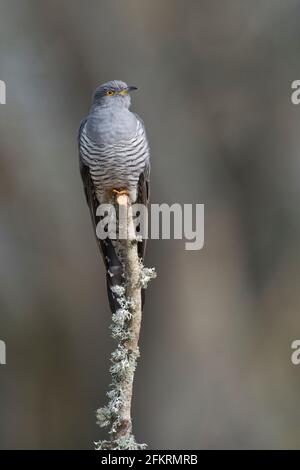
(120, 192)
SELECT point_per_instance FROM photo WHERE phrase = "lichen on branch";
(125, 329)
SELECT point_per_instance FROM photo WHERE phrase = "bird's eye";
(110, 93)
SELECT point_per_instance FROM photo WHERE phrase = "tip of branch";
(122, 199)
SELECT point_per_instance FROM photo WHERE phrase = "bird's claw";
(120, 192)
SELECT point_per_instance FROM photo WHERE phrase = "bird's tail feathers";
(114, 274)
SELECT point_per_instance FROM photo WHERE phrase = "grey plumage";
(113, 154)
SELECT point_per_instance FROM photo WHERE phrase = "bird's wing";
(112, 263)
(143, 195)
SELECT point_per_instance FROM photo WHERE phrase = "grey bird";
(114, 158)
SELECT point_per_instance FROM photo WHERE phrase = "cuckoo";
(114, 159)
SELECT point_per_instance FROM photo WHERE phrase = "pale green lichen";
(146, 275)
(123, 365)
(123, 443)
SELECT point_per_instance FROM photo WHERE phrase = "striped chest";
(115, 165)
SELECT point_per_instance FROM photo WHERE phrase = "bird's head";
(112, 93)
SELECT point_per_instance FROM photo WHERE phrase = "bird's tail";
(115, 275)
(114, 272)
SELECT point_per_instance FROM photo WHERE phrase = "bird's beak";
(131, 88)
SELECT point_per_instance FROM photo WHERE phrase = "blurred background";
(214, 84)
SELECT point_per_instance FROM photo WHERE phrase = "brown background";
(214, 82)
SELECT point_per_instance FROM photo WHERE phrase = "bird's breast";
(115, 162)
(110, 127)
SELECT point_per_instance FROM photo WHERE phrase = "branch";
(126, 325)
